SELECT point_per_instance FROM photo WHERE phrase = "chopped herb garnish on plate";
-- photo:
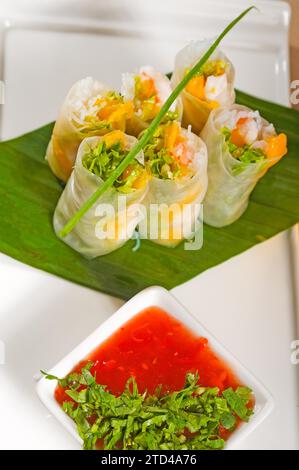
(194, 417)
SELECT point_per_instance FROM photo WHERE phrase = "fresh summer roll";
(242, 146)
(90, 108)
(176, 160)
(148, 90)
(113, 219)
(212, 87)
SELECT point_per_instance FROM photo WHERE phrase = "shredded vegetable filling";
(148, 97)
(168, 155)
(249, 143)
(107, 112)
(105, 158)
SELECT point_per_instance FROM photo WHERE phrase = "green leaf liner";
(151, 129)
(29, 193)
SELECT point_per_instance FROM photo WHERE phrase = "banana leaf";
(29, 193)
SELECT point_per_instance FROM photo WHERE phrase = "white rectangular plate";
(247, 302)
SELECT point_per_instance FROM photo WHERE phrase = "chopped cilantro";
(237, 400)
(190, 418)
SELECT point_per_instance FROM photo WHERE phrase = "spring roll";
(148, 90)
(176, 160)
(212, 87)
(89, 109)
(101, 231)
(242, 146)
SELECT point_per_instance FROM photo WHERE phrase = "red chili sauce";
(156, 349)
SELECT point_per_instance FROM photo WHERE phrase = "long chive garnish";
(150, 130)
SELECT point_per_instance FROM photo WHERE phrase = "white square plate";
(158, 297)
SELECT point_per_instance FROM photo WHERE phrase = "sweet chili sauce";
(156, 349)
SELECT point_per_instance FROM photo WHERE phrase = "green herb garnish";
(102, 161)
(238, 401)
(191, 418)
(151, 129)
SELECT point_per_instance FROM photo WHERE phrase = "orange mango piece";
(141, 181)
(113, 137)
(147, 89)
(276, 146)
(105, 112)
(171, 133)
(124, 110)
(115, 111)
(196, 87)
(213, 104)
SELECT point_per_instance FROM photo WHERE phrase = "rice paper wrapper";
(196, 111)
(88, 236)
(185, 194)
(68, 130)
(135, 125)
(229, 187)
